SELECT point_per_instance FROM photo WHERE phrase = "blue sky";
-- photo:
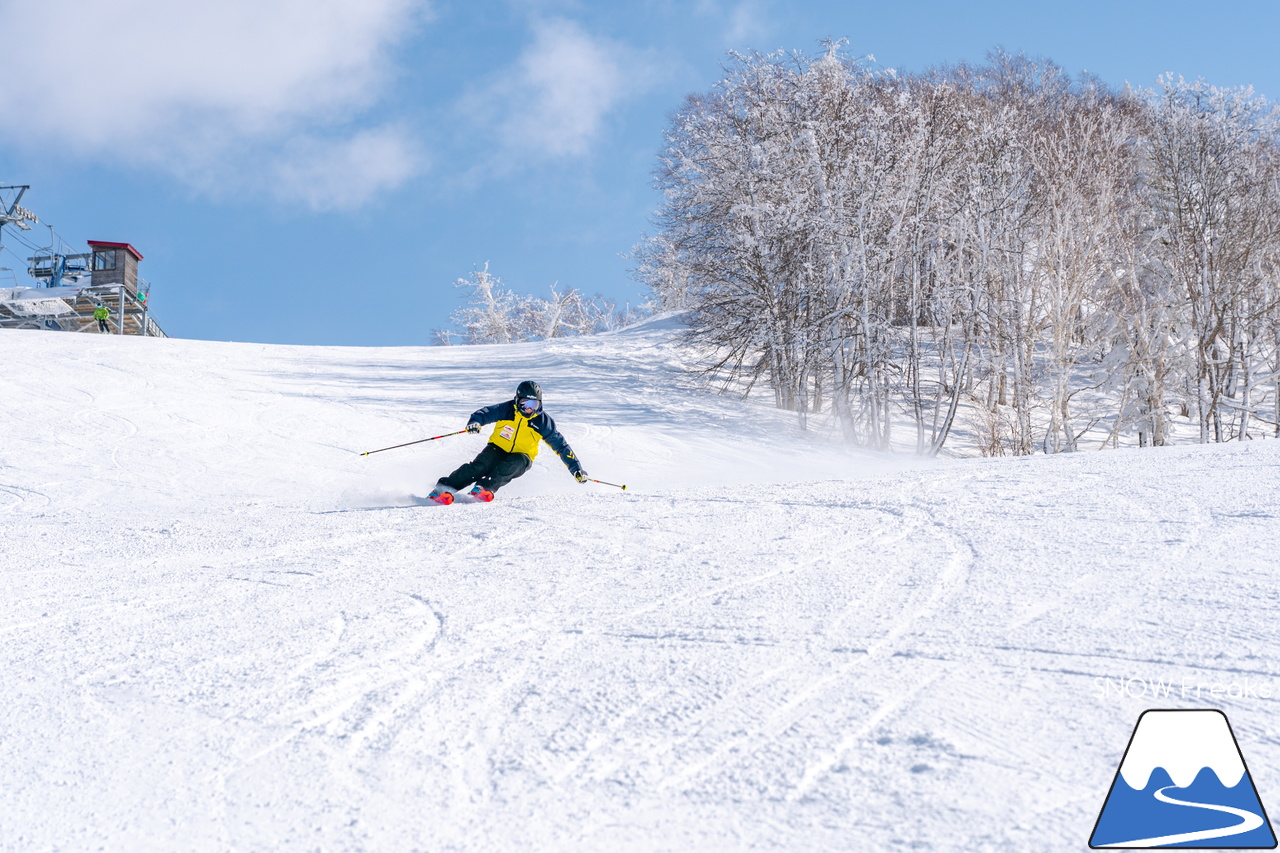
(322, 171)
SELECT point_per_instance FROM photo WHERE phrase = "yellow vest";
(516, 436)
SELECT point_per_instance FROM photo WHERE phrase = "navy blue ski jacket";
(516, 433)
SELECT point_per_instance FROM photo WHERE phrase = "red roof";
(93, 244)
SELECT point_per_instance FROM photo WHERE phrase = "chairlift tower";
(12, 213)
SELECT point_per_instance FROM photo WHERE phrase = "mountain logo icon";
(1183, 783)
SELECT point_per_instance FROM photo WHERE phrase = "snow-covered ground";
(221, 628)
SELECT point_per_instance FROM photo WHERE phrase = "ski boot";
(444, 497)
(480, 493)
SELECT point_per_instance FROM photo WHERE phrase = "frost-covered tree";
(1213, 159)
(495, 314)
(1062, 259)
(490, 314)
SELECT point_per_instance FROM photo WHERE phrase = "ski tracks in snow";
(727, 678)
(359, 685)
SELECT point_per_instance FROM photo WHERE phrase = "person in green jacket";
(101, 314)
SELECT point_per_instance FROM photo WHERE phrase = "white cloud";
(196, 88)
(555, 100)
(748, 22)
(744, 24)
(327, 175)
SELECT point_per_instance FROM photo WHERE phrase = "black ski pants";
(492, 468)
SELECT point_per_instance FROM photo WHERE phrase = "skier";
(518, 424)
(100, 314)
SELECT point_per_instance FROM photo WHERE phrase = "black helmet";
(527, 389)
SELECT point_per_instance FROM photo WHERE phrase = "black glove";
(473, 427)
(580, 475)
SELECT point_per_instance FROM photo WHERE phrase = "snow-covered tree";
(1213, 161)
(1063, 258)
(490, 314)
(495, 314)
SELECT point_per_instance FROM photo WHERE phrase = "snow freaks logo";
(1167, 688)
(1183, 783)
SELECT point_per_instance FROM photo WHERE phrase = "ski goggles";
(529, 404)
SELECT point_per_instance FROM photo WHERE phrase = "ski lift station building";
(64, 301)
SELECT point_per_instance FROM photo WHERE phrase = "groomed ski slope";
(223, 629)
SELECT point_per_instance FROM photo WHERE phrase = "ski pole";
(407, 443)
(603, 483)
